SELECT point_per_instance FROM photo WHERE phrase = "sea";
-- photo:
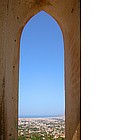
(41, 116)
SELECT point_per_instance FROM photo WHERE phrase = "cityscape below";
(41, 128)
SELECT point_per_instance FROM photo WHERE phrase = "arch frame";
(15, 15)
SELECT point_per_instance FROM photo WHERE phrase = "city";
(41, 128)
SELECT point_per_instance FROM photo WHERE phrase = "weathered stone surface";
(14, 14)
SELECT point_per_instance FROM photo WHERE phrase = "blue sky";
(41, 79)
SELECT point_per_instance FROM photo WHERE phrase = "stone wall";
(14, 14)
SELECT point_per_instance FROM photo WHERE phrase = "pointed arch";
(15, 15)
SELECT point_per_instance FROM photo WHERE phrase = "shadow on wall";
(77, 135)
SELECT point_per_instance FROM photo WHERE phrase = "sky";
(41, 78)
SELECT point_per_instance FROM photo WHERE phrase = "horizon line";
(50, 116)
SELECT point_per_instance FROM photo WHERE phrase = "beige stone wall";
(14, 14)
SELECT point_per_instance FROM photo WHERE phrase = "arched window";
(41, 79)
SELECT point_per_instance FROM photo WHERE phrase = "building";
(14, 15)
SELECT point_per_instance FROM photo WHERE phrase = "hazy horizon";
(40, 116)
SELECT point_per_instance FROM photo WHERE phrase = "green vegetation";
(21, 138)
(38, 138)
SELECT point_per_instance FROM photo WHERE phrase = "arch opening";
(41, 79)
